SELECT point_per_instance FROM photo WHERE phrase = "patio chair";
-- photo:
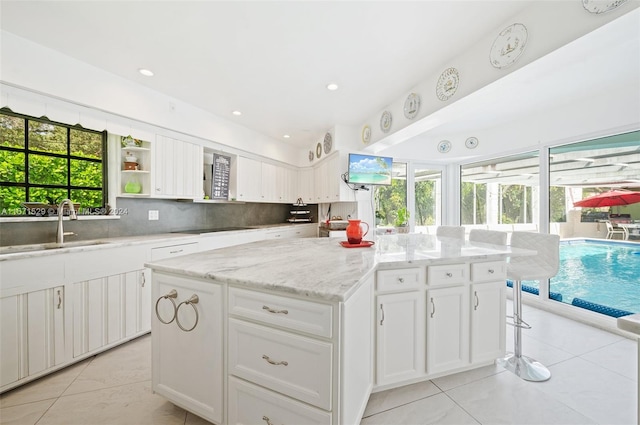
(612, 231)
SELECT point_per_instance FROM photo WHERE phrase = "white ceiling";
(273, 60)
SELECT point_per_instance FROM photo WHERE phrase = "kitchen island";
(303, 330)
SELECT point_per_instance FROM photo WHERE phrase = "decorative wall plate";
(412, 106)
(471, 142)
(318, 150)
(601, 6)
(310, 156)
(385, 121)
(366, 134)
(444, 146)
(447, 83)
(508, 46)
(328, 142)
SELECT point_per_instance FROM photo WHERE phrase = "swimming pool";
(598, 271)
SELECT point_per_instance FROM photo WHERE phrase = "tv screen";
(370, 169)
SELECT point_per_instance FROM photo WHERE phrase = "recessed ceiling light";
(145, 72)
(237, 113)
(332, 86)
(286, 136)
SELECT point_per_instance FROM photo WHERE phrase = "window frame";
(68, 157)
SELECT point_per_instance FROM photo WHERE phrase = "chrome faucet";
(72, 216)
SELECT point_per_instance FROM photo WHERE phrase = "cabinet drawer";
(250, 404)
(399, 280)
(290, 313)
(447, 274)
(488, 271)
(293, 365)
(173, 250)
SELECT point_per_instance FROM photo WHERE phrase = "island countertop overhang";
(320, 268)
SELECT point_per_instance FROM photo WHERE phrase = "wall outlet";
(154, 215)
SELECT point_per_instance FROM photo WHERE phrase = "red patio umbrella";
(609, 199)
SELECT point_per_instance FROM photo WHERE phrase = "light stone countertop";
(15, 252)
(320, 267)
(630, 323)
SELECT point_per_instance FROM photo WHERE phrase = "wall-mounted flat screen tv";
(369, 169)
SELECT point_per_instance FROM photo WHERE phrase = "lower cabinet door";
(250, 404)
(400, 337)
(447, 329)
(187, 344)
(487, 321)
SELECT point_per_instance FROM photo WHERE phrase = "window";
(501, 191)
(45, 162)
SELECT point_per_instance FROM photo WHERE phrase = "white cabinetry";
(177, 169)
(248, 179)
(453, 323)
(488, 313)
(187, 363)
(109, 309)
(32, 331)
(400, 328)
(400, 333)
(328, 184)
(447, 329)
(305, 188)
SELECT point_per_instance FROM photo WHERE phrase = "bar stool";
(541, 266)
(456, 232)
(493, 237)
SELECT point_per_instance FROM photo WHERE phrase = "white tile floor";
(594, 375)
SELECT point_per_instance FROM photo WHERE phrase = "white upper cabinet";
(177, 169)
(305, 188)
(249, 179)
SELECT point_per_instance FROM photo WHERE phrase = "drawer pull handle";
(433, 307)
(270, 310)
(475, 294)
(382, 310)
(170, 296)
(267, 420)
(283, 363)
(491, 271)
(191, 301)
(401, 279)
(449, 274)
(176, 251)
(144, 279)
(59, 299)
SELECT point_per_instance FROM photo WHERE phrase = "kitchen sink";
(14, 249)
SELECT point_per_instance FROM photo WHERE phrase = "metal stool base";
(525, 367)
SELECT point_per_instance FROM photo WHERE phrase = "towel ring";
(191, 301)
(170, 296)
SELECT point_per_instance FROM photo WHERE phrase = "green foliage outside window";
(46, 162)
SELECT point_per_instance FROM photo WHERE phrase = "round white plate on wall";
(471, 142)
(366, 134)
(601, 6)
(444, 146)
(447, 84)
(508, 46)
(328, 142)
(411, 106)
(385, 121)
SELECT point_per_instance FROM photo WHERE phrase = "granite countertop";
(320, 267)
(630, 323)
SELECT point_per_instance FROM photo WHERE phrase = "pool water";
(601, 272)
